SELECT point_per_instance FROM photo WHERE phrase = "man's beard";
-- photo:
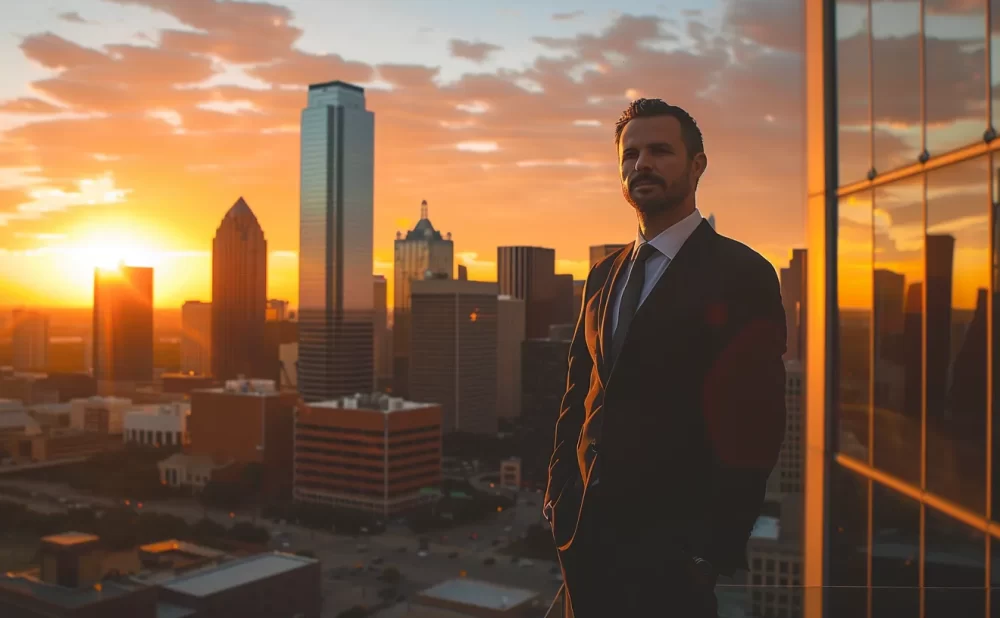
(674, 194)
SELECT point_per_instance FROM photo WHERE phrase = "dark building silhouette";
(599, 252)
(455, 337)
(544, 363)
(529, 273)
(794, 290)
(563, 301)
(423, 253)
(123, 326)
(382, 335)
(940, 261)
(239, 294)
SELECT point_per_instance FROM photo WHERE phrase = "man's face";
(657, 173)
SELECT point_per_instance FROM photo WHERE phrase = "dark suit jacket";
(687, 425)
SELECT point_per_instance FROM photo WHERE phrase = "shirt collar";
(669, 241)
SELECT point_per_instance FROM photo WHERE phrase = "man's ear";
(699, 163)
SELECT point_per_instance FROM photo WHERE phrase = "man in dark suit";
(674, 409)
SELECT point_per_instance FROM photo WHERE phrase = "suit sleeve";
(563, 462)
(744, 405)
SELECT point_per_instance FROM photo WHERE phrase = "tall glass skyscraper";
(336, 355)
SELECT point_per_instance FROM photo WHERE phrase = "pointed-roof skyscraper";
(421, 252)
(239, 295)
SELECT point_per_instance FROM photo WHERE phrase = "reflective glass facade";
(903, 192)
(335, 243)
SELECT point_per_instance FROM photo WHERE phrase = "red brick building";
(369, 453)
(245, 422)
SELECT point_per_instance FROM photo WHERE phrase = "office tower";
(529, 273)
(196, 337)
(382, 335)
(455, 337)
(422, 254)
(30, 340)
(599, 252)
(903, 484)
(562, 301)
(239, 294)
(510, 335)
(793, 296)
(336, 345)
(463, 272)
(579, 287)
(123, 327)
(277, 310)
(401, 449)
(786, 477)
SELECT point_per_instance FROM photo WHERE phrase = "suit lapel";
(607, 297)
(681, 277)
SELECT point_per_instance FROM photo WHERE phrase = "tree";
(205, 530)
(391, 576)
(248, 533)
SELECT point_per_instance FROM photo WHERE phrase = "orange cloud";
(520, 156)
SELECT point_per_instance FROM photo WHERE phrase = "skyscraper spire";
(423, 209)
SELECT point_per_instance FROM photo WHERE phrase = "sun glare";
(111, 247)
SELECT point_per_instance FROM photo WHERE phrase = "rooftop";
(236, 573)
(766, 528)
(477, 593)
(62, 596)
(173, 545)
(69, 539)
(375, 402)
(336, 84)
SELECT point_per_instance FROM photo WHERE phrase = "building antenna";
(423, 209)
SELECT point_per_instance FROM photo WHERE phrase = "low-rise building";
(185, 470)
(372, 453)
(478, 599)
(510, 473)
(99, 414)
(246, 422)
(157, 425)
(77, 578)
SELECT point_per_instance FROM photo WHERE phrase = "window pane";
(854, 296)
(898, 309)
(896, 83)
(848, 539)
(895, 554)
(958, 262)
(954, 567)
(853, 96)
(955, 56)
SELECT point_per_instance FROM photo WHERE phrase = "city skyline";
(160, 152)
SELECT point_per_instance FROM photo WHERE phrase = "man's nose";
(643, 162)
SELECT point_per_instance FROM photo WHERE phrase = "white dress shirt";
(667, 243)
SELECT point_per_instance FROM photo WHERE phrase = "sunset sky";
(129, 127)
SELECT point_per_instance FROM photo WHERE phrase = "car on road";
(422, 554)
(490, 561)
(453, 554)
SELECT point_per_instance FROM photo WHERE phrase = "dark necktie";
(630, 297)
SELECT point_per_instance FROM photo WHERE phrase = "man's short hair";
(648, 108)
